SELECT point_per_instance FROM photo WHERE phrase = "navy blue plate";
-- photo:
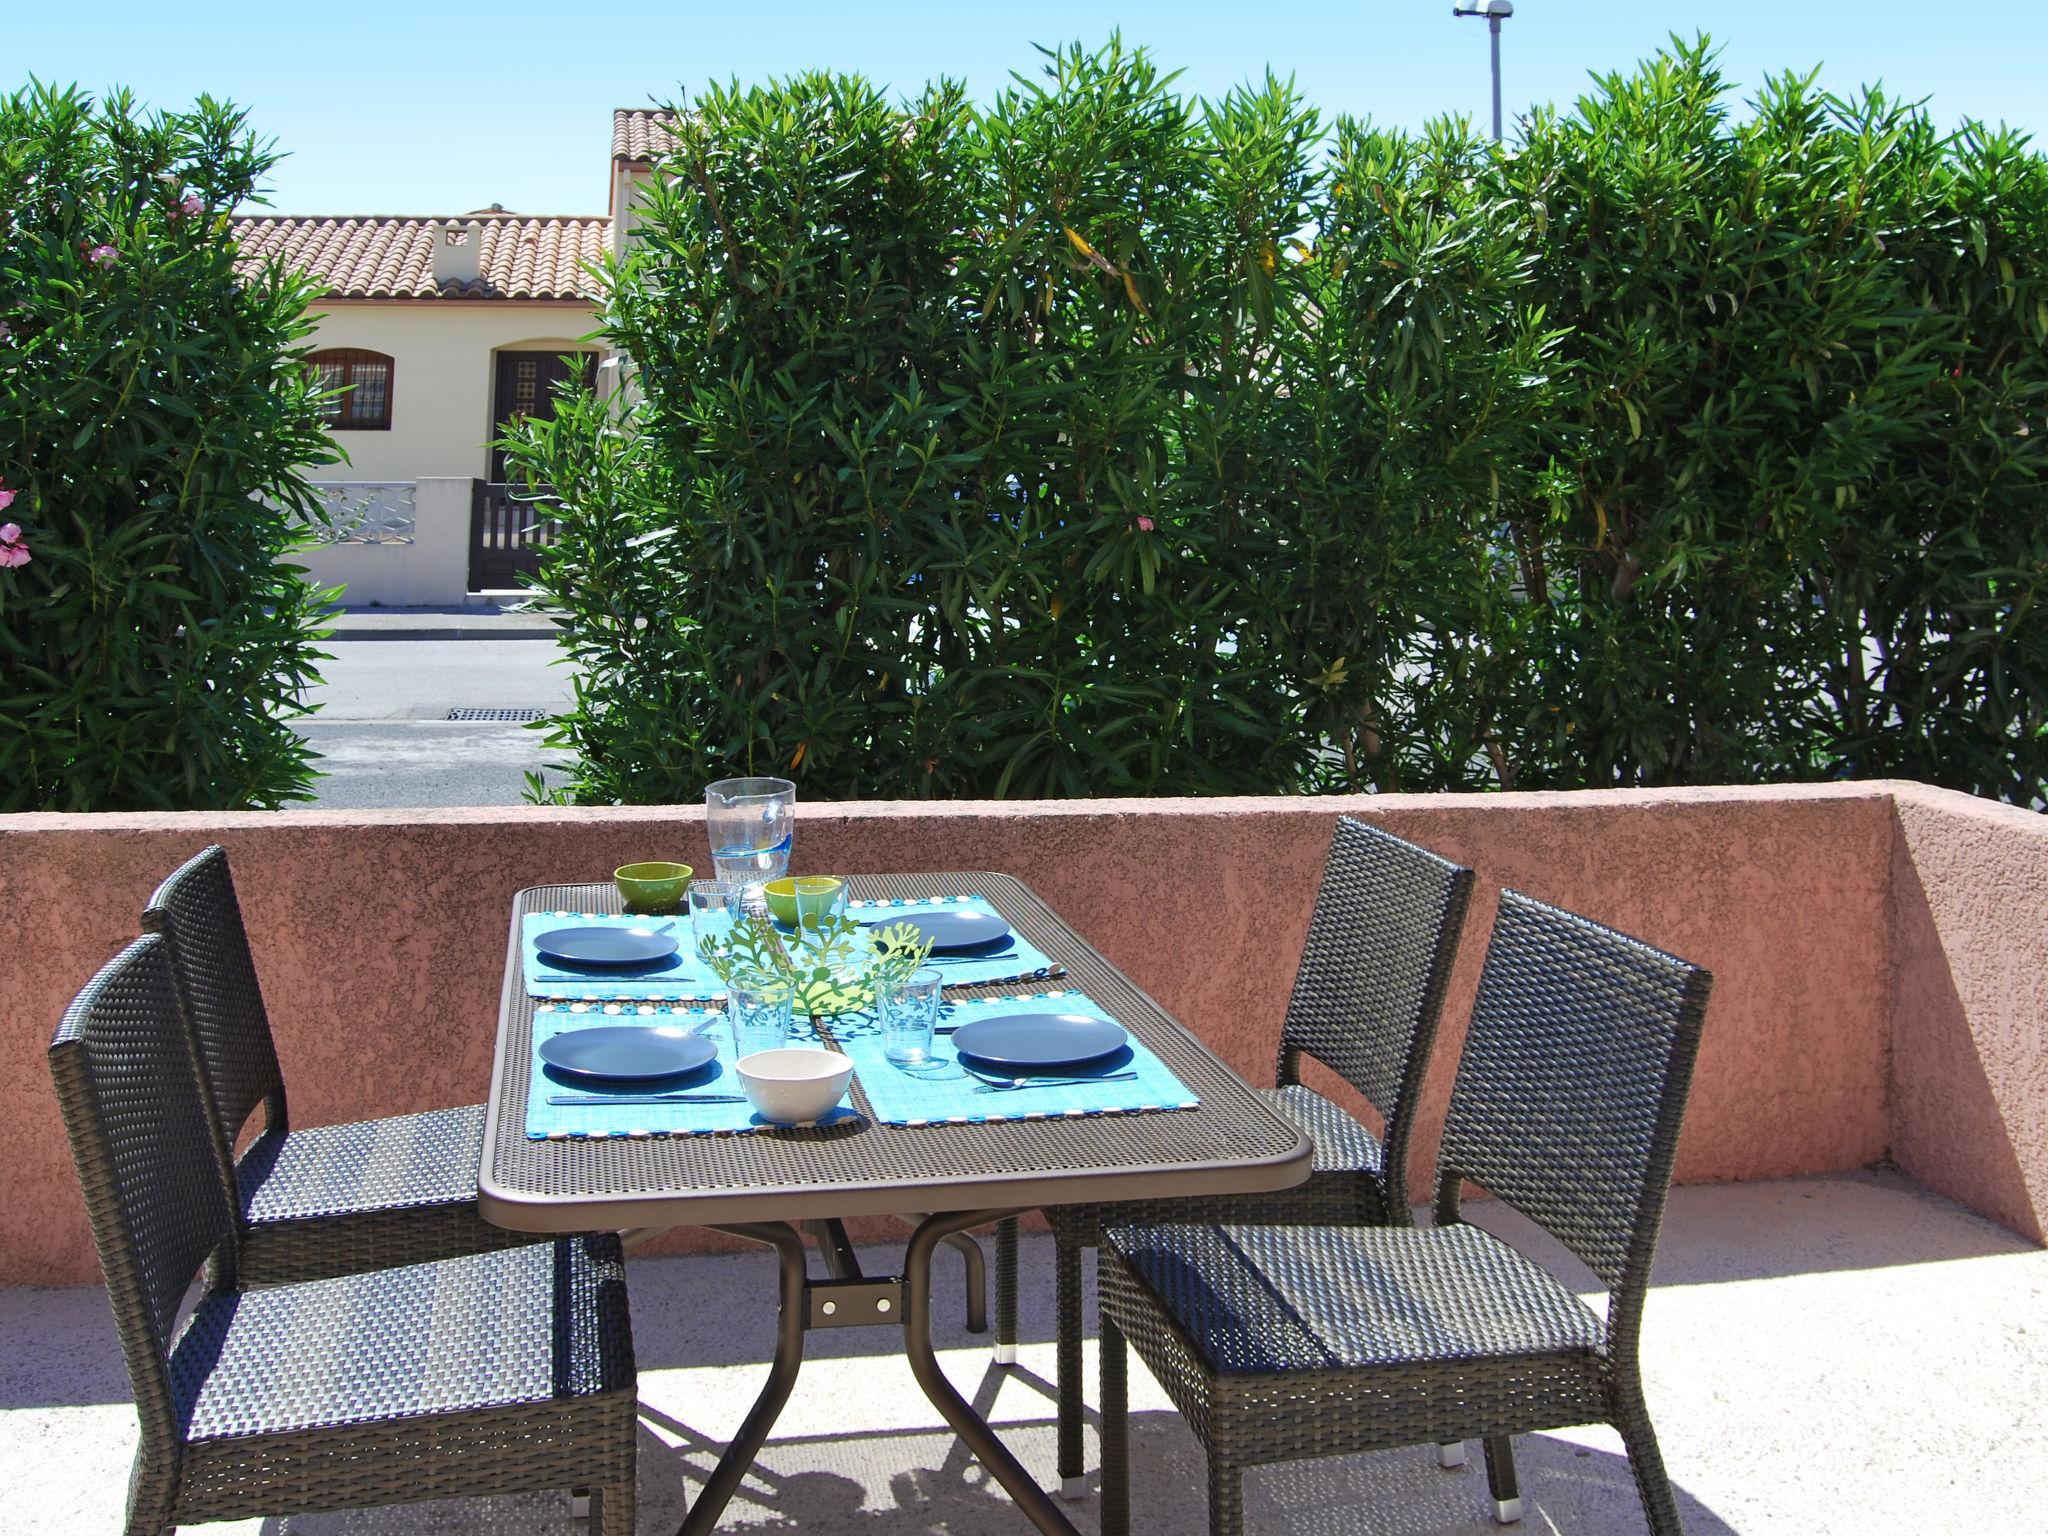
(627, 1052)
(1032, 1041)
(605, 946)
(952, 930)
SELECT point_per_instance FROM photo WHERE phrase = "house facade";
(439, 332)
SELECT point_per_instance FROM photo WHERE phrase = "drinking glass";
(818, 899)
(714, 909)
(908, 1007)
(752, 823)
(760, 1011)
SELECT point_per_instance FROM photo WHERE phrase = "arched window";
(366, 378)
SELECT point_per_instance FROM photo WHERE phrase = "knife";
(647, 1098)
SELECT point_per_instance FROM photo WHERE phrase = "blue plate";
(627, 1052)
(1031, 1041)
(952, 930)
(605, 946)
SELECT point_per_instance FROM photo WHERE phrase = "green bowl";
(802, 899)
(656, 886)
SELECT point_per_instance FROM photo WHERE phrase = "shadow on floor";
(57, 1347)
(922, 1484)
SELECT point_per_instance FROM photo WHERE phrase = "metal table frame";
(766, 1186)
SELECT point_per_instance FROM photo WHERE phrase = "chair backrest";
(129, 1091)
(195, 909)
(1370, 986)
(1573, 1085)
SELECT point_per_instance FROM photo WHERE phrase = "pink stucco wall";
(380, 939)
(1970, 1003)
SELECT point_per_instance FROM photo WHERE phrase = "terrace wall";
(1969, 1065)
(1856, 932)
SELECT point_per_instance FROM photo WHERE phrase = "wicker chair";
(1367, 994)
(487, 1374)
(334, 1199)
(1281, 1343)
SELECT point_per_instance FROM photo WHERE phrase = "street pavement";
(383, 730)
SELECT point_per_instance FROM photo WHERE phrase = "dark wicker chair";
(1280, 1343)
(1369, 988)
(487, 1374)
(334, 1199)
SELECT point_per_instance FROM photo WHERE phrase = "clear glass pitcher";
(752, 825)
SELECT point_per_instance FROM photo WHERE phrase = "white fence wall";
(394, 543)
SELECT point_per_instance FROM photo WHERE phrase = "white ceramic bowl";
(795, 1084)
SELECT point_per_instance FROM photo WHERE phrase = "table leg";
(732, 1467)
(829, 1233)
(977, 1279)
(971, 1427)
(976, 1276)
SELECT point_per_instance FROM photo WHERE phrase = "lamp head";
(1494, 9)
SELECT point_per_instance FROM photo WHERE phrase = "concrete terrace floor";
(1843, 1354)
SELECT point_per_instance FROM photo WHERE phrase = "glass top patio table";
(757, 1184)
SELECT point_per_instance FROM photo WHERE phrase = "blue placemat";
(681, 977)
(1016, 959)
(941, 1091)
(570, 1122)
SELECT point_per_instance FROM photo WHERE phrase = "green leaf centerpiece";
(830, 967)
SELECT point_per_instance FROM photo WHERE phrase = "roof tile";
(393, 258)
(640, 133)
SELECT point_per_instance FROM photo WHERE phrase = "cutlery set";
(984, 1083)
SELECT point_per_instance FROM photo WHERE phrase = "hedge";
(154, 423)
(1107, 441)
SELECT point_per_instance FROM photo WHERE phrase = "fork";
(1012, 1084)
(646, 1098)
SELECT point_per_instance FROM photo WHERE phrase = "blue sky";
(439, 107)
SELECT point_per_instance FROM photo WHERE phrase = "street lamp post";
(1495, 12)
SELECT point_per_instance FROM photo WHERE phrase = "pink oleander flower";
(12, 551)
(1146, 524)
(6, 501)
(102, 255)
(192, 206)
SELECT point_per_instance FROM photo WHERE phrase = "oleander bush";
(1107, 441)
(154, 422)
(1798, 529)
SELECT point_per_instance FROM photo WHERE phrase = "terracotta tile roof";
(639, 133)
(393, 258)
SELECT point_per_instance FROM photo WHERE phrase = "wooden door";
(526, 385)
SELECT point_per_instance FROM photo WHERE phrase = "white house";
(442, 330)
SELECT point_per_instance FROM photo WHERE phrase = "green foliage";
(153, 425)
(1108, 442)
(832, 966)
(1797, 529)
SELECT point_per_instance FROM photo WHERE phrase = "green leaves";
(155, 422)
(830, 966)
(1106, 442)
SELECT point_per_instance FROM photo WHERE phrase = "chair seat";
(1342, 1144)
(339, 1199)
(537, 1324)
(364, 1166)
(1260, 1300)
(1346, 1182)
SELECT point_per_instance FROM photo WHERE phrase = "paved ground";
(1823, 1357)
(383, 730)
(481, 622)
